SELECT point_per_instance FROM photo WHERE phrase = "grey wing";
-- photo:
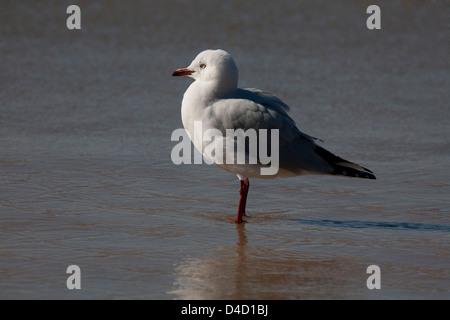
(271, 101)
(299, 153)
(258, 110)
(255, 110)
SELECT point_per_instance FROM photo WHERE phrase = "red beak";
(182, 72)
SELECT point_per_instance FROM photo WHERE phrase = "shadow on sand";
(358, 224)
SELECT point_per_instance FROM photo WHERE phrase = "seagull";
(215, 101)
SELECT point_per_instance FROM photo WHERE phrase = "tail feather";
(343, 167)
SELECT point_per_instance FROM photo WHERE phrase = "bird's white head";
(215, 66)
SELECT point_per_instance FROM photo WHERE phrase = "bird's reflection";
(249, 271)
(241, 235)
(241, 271)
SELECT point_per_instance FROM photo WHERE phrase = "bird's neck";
(200, 96)
(216, 89)
(205, 93)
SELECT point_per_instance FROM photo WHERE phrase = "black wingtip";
(343, 167)
(351, 172)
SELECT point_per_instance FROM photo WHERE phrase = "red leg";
(243, 191)
(246, 187)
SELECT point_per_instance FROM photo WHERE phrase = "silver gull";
(215, 101)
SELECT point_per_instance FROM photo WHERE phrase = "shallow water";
(87, 179)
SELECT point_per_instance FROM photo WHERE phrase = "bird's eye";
(203, 66)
